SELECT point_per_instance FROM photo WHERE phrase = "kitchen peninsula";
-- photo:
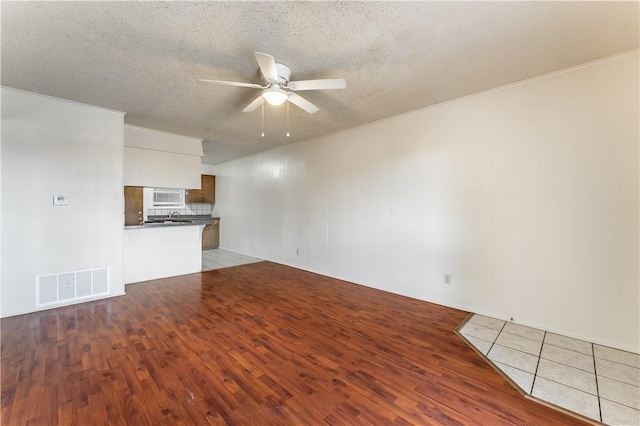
(158, 250)
(168, 205)
(166, 246)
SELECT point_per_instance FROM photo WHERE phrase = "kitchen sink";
(170, 220)
(159, 221)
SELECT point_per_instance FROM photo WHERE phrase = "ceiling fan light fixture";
(275, 96)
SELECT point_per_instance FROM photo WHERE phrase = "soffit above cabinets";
(161, 160)
(138, 137)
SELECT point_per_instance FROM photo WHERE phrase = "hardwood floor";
(259, 344)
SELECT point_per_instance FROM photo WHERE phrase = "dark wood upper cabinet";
(133, 204)
(207, 193)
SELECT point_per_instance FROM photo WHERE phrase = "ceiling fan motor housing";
(284, 73)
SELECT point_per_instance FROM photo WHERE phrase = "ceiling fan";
(277, 88)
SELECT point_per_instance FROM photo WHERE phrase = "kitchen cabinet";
(133, 204)
(206, 193)
(211, 235)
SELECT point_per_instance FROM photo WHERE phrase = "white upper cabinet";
(162, 160)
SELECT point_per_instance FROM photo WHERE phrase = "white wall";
(526, 195)
(51, 146)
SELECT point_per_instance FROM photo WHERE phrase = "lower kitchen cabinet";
(211, 235)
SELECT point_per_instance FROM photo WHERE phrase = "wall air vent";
(67, 287)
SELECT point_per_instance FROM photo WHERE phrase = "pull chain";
(288, 119)
(262, 106)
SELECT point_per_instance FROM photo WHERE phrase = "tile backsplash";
(190, 209)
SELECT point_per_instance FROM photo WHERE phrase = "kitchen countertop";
(184, 220)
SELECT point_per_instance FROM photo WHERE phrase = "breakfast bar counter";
(154, 251)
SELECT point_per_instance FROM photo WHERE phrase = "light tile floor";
(219, 258)
(596, 381)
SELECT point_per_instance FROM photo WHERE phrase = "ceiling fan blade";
(231, 83)
(253, 105)
(267, 65)
(303, 103)
(326, 84)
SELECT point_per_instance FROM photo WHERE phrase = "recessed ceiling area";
(144, 58)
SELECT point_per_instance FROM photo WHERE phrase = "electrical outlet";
(297, 251)
(447, 279)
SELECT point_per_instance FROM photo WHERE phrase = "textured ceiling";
(143, 58)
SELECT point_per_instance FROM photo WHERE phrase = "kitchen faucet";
(174, 214)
